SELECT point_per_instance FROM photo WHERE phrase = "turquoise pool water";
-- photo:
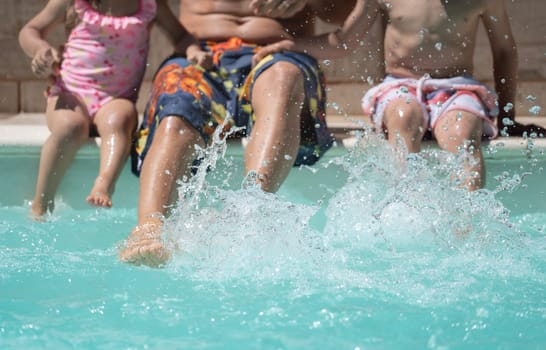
(353, 253)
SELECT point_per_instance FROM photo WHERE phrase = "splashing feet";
(145, 246)
(39, 210)
(101, 194)
(252, 179)
(37, 215)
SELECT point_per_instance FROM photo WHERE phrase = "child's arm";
(180, 37)
(505, 66)
(505, 56)
(45, 58)
(339, 43)
(331, 11)
(277, 8)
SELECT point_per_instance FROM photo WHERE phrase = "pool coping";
(29, 129)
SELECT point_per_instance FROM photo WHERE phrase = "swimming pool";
(353, 253)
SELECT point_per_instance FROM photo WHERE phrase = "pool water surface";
(352, 253)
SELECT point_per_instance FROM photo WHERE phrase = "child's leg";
(168, 160)
(116, 122)
(462, 130)
(69, 127)
(276, 132)
(404, 120)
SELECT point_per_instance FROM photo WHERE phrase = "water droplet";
(507, 121)
(438, 46)
(535, 110)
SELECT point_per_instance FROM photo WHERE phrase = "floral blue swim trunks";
(205, 98)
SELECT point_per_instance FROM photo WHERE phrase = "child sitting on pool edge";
(428, 54)
(94, 83)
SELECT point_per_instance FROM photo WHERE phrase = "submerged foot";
(253, 180)
(145, 246)
(38, 211)
(101, 194)
(463, 232)
(36, 216)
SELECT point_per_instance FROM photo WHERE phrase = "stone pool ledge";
(29, 129)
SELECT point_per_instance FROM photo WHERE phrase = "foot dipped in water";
(101, 194)
(145, 246)
(40, 209)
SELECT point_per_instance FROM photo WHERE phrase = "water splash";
(399, 227)
(411, 233)
(417, 202)
(224, 234)
(245, 233)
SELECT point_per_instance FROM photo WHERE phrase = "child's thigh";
(463, 116)
(458, 126)
(65, 114)
(399, 106)
(117, 114)
(403, 109)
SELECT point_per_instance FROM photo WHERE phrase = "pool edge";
(29, 129)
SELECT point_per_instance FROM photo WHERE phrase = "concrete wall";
(20, 91)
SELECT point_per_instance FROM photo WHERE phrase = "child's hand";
(277, 8)
(196, 55)
(279, 46)
(46, 62)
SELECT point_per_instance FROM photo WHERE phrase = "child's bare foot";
(145, 246)
(37, 216)
(463, 232)
(38, 211)
(100, 195)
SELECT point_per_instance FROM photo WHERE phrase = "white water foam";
(393, 230)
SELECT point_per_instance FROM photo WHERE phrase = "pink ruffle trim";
(89, 15)
(487, 96)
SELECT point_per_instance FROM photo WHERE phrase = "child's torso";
(107, 51)
(431, 36)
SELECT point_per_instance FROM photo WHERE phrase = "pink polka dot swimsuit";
(105, 56)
